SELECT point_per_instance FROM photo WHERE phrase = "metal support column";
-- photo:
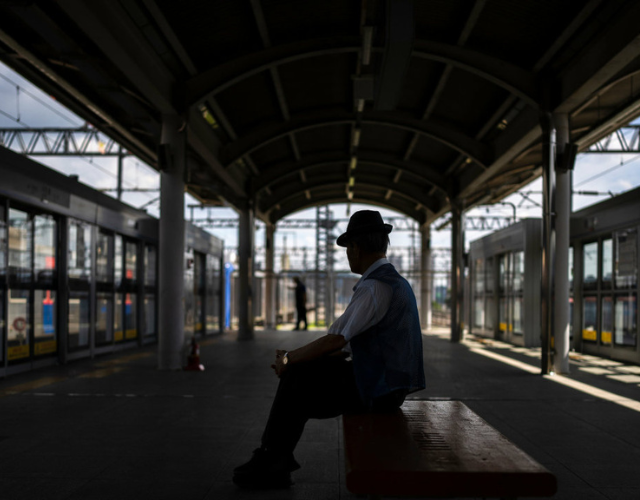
(245, 274)
(457, 271)
(548, 239)
(171, 248)
(270, 305)
(425, 277)
(563, 215)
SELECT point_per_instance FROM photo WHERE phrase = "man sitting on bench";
(370, 359)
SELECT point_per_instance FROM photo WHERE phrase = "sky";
(24, 105)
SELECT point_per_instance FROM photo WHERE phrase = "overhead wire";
(600, 174)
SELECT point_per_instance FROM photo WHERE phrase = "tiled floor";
(117, 428)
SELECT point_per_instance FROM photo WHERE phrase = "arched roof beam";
(277, 173)
(213, 81)
(287, 209)
(332, 188)
(472, 148)
(510, 77)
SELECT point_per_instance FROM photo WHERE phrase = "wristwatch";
(285, 358)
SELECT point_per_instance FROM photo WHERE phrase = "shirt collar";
(380, 262)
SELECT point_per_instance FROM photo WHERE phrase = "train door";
(150, 291)
(126, 283)
(105, 289)
(199, 293)
(32, 326)
(79, 264)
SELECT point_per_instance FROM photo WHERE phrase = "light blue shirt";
(368, 305)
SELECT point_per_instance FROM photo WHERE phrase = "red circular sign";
(20, 324)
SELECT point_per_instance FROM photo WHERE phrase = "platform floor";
(117, 428)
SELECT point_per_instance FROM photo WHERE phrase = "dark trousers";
(320, 389)
(302, 316)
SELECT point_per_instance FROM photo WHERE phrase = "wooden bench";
(437, 449)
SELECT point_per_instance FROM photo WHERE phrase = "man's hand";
(279, 366)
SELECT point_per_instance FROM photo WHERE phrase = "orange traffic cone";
(193, 360)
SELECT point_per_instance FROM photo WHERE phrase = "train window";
(589, 313)
(20, 233)
(570, 268)
(118, 255)
(3, 245)
(504, 317)
(45, 248)
(150, 265)
(79, 251)
(503, 281)
(606, 320)
(489, 314)
(518, 271)
(626, 311)
(626, 260)
(131, 257)
(478, 310)
(118, 333)
(104, 258)
(104, 318)
(44, 322)
(213, 293)
(590, 266)
(18, 325)
(78, 320)
(150, 314)
(130, 316)
(488, 285)
(479, 276)
(517, 315)
(607, 263)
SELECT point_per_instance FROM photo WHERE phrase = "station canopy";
(414, 106)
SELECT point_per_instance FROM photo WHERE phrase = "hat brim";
(343, 239)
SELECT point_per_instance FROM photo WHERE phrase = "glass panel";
(104, 258)
(45, 248)
(189, 298)
(488, 317)
(518, 271)
(118, 259)
(104, 319)
(213, 293)
(150, 265)
(589, 313)
(590, 266)
(504, 317)
(503, 281)
(44, 322)
(130, 317)
(118, 334)
(625, 321)
(570, 268)
(20, 226)
(479, 276)
(18, 325)
(606, 320)
(1, 324)
(626, 266)
(607, 263)
(3, 245)
(150, 314)
(517, 315)
(79, 251)
(130, 261)
(478, 312)
(78, 320)
(489, 273)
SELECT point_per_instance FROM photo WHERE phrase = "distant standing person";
(301, 303)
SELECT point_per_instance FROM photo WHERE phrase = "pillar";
(563, 216)
(245, 273)
(548, 239)
(172, 240)
(270, 282)
(425, 277)
(457, 271)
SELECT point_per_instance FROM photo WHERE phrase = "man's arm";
(313, 350)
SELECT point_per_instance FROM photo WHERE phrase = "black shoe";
(265, 470)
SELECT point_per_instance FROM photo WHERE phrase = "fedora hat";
(363, 222)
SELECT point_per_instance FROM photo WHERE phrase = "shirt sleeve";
(368, 306)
